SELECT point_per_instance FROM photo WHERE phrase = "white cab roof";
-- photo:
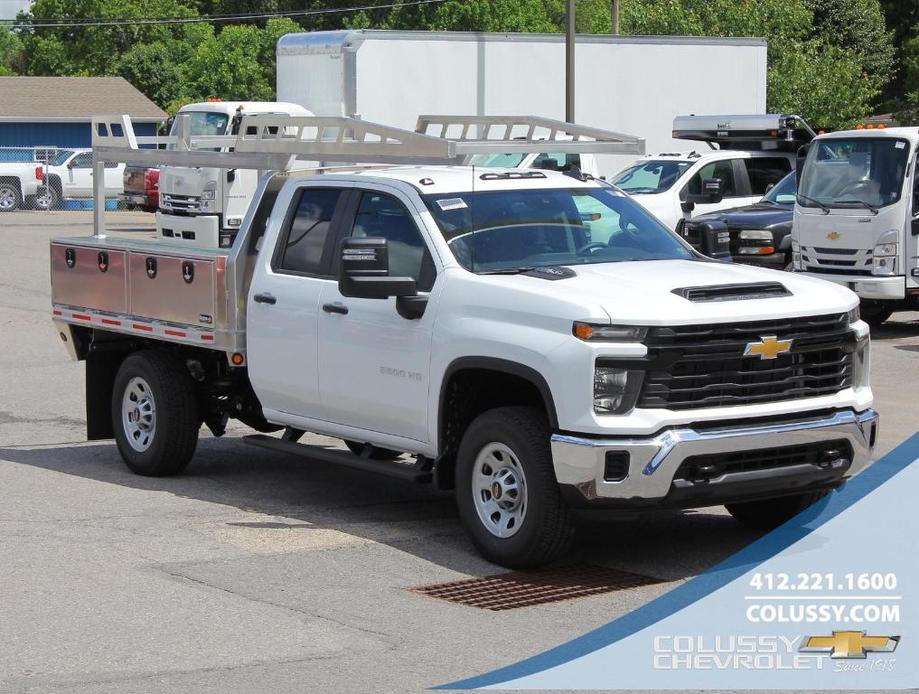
(911, 134)
(249, 107)
(460, 179)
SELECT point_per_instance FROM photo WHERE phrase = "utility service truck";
(856, 216)
(535, 340)
(754, 152)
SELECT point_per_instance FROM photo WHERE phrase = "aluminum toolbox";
(145, 279)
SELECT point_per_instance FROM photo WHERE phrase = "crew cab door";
(374, 365)
(293, 267)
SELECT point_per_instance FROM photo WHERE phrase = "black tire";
(376, 453)
(176, 418)
(874, 314)
(10, 196)
(547, 528)
(47, 198)
(771, 513)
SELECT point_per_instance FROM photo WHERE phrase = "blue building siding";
(64, 135)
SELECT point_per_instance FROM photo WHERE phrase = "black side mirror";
(364, 271)
(712, 192)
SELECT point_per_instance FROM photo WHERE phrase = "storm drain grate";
(524, 588)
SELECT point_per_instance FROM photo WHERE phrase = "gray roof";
(73, 99)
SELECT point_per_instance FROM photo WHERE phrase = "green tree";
(10, 52)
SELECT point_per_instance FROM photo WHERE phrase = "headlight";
(853, 316)
(615, 389)
(884, 265)
(755, 235)
(609, 333)
(885, 249)
(209, 195)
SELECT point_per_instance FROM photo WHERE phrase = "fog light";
(616, 467)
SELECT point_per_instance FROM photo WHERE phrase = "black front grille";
(822, 454)
(700, 366)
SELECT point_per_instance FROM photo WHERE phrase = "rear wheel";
(506, 490)
(771, 513)
(47, 198)
(10, 199)
(371, 451)
(155, 414)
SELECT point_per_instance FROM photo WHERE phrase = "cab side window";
(382, 216)
(717, 169)
(302, 246)
(549, 161)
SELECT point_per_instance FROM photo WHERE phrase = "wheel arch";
(471, 385)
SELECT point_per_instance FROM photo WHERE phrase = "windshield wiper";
(507, 271)
(826, 210)
(858, 202)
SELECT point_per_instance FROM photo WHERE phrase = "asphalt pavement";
(262, 572)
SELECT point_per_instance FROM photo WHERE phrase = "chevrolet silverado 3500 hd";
(533, 339)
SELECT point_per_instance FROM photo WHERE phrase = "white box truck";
(633, 84)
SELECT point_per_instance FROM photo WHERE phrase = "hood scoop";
(733, 292)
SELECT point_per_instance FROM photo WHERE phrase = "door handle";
(265, 299)
(337, 307)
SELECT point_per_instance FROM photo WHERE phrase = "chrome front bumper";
(653, 461)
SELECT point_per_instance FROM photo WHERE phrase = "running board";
(419, 473)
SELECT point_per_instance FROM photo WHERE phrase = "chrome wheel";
(499, 490)
(138, 414)
(45, 199)
(9, 197)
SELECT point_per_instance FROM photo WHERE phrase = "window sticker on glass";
(448, 204)
(900, 145)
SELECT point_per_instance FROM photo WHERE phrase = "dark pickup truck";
(760, 234)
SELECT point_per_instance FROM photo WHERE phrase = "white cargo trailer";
(634, 84)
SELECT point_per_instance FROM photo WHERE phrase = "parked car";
(141, 188)
(18, 184)
(70, 175)
(761, 232)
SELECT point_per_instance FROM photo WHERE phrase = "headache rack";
(166, 290)
(273, 142)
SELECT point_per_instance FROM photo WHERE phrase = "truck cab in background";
(205, 206)
(856, 218)
(754, 153)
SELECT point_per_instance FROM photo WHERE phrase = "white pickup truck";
(18, 184)
(534, 340)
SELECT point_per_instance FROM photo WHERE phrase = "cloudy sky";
(9, 8)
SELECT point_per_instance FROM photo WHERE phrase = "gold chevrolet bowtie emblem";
(850, 644)
(833, 235)
(767, 348)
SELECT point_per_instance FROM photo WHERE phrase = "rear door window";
(302, 247)
(765, 172)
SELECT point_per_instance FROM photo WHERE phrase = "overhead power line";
(105, 22)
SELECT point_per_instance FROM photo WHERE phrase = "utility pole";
(614, 13)
(569, 61)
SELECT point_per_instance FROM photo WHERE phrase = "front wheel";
(874, 313)
(771, 513)
(506, 490)
(155, 414)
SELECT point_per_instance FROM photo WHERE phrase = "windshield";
(513, 229)
(204, 123)
(858, 172)
(783, 192)
(654, 176)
